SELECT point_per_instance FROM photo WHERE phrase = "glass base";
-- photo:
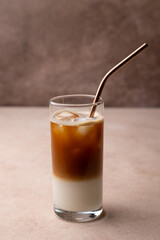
(78, 216)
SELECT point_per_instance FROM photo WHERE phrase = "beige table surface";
(131, 178)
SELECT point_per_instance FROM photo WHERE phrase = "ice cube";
(66, 115)
(79, 119)
(85, 129)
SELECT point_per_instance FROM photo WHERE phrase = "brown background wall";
(52, 47)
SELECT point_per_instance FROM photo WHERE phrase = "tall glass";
(77, 157)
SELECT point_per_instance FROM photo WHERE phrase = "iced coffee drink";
(77, 161)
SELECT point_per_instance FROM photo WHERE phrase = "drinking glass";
(77, 156)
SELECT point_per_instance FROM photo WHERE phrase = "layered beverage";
(77, 159)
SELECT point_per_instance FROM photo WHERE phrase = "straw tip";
(145, 44)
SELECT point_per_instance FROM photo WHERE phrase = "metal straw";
(108, 74)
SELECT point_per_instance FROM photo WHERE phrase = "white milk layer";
(77, 196)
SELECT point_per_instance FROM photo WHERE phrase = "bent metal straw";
(108, 74)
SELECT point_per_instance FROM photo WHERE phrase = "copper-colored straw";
(114, 69)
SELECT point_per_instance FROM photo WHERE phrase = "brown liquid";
(77, 151)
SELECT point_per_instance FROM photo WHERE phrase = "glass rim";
(53, 103)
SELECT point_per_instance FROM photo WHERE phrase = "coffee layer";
(77, 151)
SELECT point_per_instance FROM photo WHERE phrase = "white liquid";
(77, 196)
